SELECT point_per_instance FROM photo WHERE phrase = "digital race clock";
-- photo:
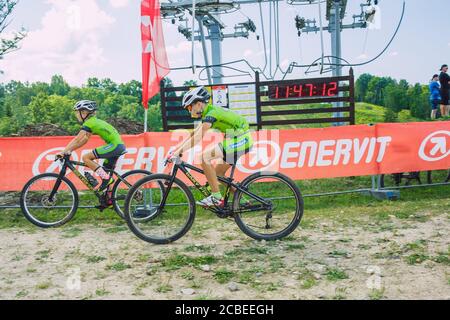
(304, 90)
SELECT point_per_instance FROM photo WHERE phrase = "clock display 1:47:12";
(328, 89)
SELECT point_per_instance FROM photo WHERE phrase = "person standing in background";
(435, 95)
(444, 79)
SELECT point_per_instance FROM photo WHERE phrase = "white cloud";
(67, 43)
(181, 48)
(285, 63)
(119, 3)
(248, 53)
(394, 54)
(362, 56)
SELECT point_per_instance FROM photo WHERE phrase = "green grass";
(177, 261)
(119, 266)
(307, 279)
(164, 288)
(43, 285)
(416, 258)
(443, 258)
(198, 248)
(295, 246)
(223, 275)
(95, 259)
(71, 232)
(376, 294)
(348, 208)
(101, 292)
(336, 274)
(22, 294)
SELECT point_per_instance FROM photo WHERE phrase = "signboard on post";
(219, 96)
(243, 101)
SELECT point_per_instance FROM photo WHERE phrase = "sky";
(79, 39)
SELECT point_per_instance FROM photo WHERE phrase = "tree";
(419, 101)
(93, 83)
(59, 86)
(109, 85)
(390, 115)
(52, 109)
(190, 83)
(132, 88)
(361, 86)
(395, 97)
(104, 84)
(10, 44)
(376, 89)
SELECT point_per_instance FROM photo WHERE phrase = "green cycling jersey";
(225, 121)
(103, 129)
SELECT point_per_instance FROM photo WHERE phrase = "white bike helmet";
(197, 94)
(85, 105)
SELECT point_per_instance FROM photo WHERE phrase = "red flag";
(155, 65)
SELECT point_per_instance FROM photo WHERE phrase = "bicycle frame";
(68, 164)
(229, 181)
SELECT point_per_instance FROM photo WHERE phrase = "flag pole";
(145, 121)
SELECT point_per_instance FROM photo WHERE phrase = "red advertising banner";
(300, 154)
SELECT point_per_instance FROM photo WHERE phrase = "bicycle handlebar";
(65, 157)
(172, 160)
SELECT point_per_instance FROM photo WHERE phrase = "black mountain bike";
(160, 208)
(51, 200)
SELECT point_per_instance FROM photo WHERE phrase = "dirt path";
(395, 259)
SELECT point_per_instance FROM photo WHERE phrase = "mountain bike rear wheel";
(46, 212)
(272, 222)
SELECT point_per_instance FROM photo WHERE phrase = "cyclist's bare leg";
(208, 156)
(88, 159)
(221, 170)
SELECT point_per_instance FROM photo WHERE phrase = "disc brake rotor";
(47, 203)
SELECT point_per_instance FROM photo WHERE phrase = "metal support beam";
(215, 35)
(336, 51)
(205, 51)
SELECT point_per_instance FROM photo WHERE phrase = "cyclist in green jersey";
(238, 139)
(85, 112)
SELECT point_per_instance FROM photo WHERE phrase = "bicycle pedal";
(101, 208)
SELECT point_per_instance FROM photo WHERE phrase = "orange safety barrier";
(300, 153)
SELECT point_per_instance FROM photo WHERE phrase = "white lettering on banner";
(321, 154)
(125, 161)
(371, 152)
(439, 150)
(145, 157)
(343, 148)
(288, 154)
(384, 142)
(312, 145)
(360, 150)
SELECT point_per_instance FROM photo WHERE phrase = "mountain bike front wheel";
(44, 210)
(274, 220)
(160, 215)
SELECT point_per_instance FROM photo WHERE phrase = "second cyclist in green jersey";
(237, 142)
